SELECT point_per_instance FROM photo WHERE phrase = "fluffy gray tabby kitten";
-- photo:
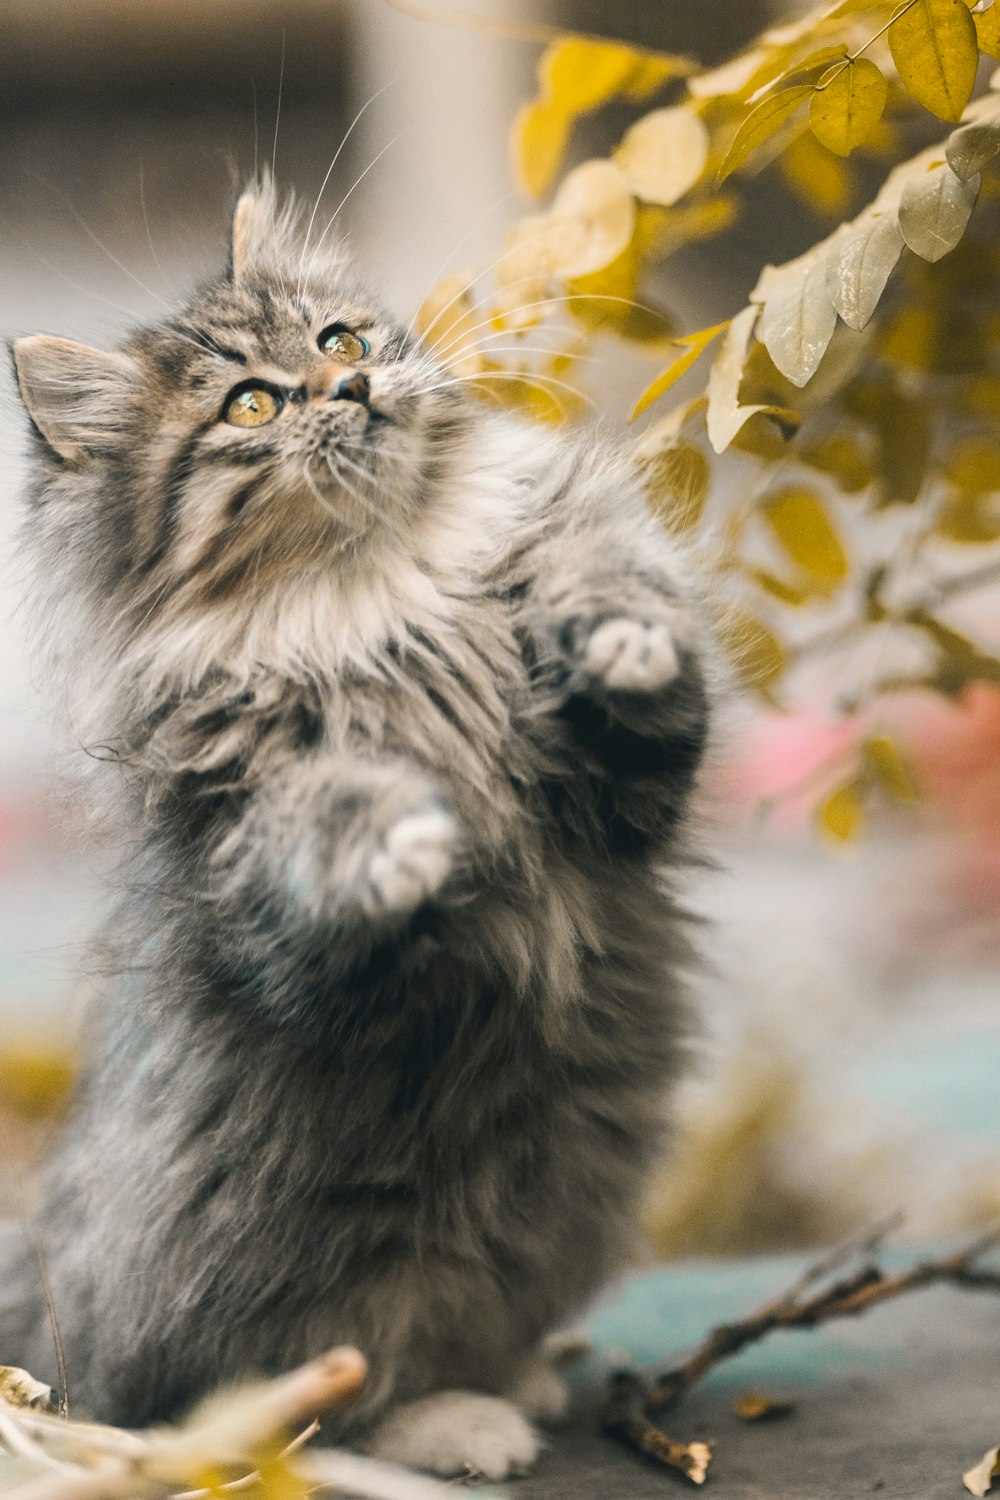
(399, 704)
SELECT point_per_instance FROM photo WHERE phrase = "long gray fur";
(391, 999)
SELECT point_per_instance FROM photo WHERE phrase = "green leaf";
(847, 105)
(936, 52)
(694, 346)
(800, 524)
(760, 124)
(934, 209)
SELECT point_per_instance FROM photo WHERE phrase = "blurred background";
(852, 1032)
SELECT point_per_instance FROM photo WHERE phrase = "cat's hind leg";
(458, 1432)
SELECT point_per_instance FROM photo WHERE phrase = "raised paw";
(413, 862)
(458, 1432)
(632, 656)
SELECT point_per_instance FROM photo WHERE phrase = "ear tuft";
(75, 396)
(263, 233)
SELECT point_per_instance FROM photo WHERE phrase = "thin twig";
(636, 1401)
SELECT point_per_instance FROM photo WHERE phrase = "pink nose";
(340, 383)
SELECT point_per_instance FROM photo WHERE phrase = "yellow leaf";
(788, 593)
(847, 105)
(676, 483)
(798, 319)
(979, 1479)
(974, 467)
(725, 416)
(815, 175)
(538, 144)
(969, 520)
(448, 321)
(936, 52)
(607, 300)
(811, 64)
(659, 232)
(754, 1406)
(581, 75)
(736, 78)
(35, 1081)
(694, 346)
(840, 457)
(592, 219)
(841, 814)
(799, 522)
(756, 654)
(664, 154)
(934, 209)
(760, 124)
(887, 764)
(18, 1388)
(988, 31)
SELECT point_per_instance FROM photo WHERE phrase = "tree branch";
(636, 1401)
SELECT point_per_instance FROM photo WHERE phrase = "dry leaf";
(754, 1406)
(841, 814)
(934, 209)
(936, 52)
(592, 219)
(979, 1480)
(847, 105)
(859, 261)
(693, 345)
(798, 320)
(18, 1388)
(972, 146)
(664, 154)
(725, 415)
(760, 124)
(799, 523)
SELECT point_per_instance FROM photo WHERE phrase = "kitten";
(397, 702)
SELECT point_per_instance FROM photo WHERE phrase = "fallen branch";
(240, 1439)
(636, 1402)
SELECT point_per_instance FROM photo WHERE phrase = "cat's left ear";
(262, 233)
(75, 396)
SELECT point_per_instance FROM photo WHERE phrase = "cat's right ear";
(76, 397)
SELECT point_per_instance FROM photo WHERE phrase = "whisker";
(149, 238)
(500, 203)
(356, 183)
(471, 283)
(274, 148)
(336, 157)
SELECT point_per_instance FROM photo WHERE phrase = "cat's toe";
(458, 1432)
(413, 861)
(632, 656)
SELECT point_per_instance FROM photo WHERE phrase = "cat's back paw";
(458, 1432)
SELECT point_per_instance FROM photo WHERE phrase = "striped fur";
(397, 709)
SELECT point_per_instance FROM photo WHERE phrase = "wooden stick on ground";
(636, 1402)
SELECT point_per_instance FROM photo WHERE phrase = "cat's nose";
(353, 386)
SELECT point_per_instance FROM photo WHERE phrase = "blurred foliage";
(851, 412)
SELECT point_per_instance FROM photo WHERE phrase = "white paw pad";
(631, 656)
(414, 861)
(458, 1432)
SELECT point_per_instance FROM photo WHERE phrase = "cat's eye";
(251, 406)
(340, 343)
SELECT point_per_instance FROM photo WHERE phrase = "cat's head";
(276, 425)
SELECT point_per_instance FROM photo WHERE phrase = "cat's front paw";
(458, 1432)
(632, 656)
(413, 861)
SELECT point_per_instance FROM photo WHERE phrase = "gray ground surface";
(899, 1403)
